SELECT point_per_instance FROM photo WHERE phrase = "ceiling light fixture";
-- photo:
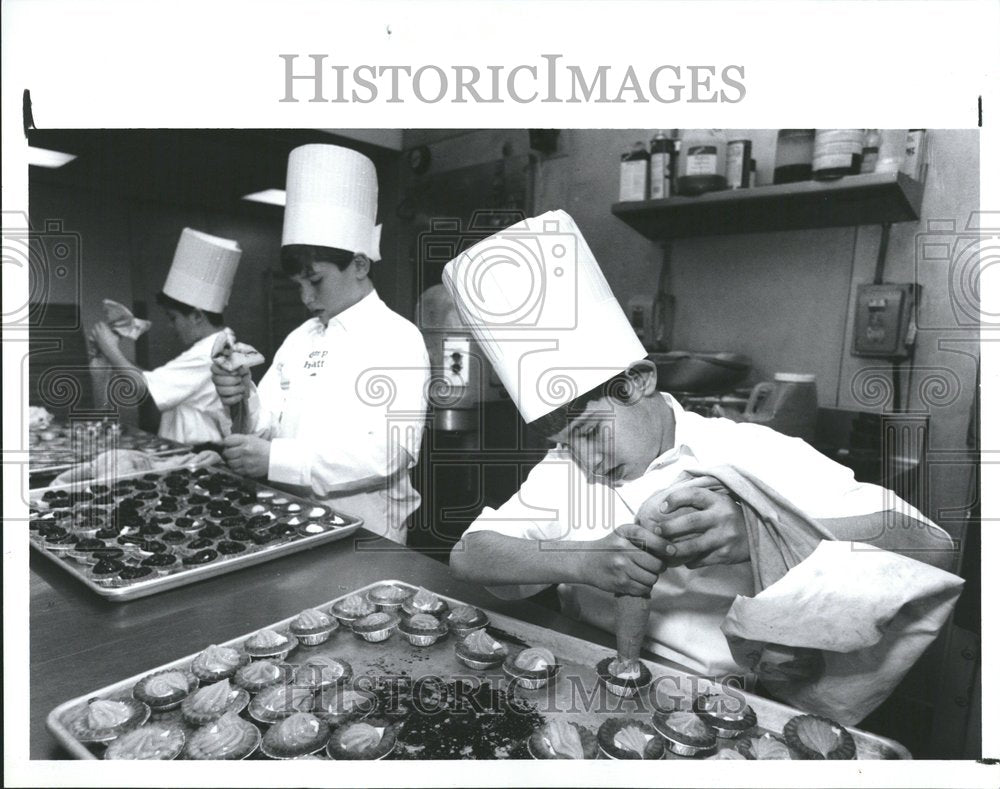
(269, 196)
(43, 157)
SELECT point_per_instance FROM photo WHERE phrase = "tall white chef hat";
(331, 200)
(203, 270)
(537, 302)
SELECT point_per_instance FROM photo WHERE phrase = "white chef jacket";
(558, 502)
(190, 409)
(344, 408)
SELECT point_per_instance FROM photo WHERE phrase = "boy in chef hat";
(194, 295)
(594, 515)
(340, 413)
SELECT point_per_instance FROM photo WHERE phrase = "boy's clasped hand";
(692, 525)
(695, 525)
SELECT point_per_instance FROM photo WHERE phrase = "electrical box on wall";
(640, 316)
(884, 325)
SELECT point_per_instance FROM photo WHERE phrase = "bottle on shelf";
(738, 163)
(892, 151)
(661, 154)
(634, 174)
(869, 154)
(793, 156)
(837, 153)
(702, 162)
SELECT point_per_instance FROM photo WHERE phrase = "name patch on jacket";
(316, 361)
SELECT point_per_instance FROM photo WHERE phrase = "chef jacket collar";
(680, 447)
(355, 318)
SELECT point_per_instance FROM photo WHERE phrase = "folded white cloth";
(232, 355)
(38, 418)
(123, 322)
(853, 619)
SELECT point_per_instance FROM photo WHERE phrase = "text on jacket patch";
(316, 361)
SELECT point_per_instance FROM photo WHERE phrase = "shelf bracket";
(663, 303)
(883, 248)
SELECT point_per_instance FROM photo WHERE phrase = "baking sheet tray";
(494, 733)
(87, 514)
(64, 448)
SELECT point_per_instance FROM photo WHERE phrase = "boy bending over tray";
(749, 543)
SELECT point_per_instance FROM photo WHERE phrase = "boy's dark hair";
(297, 258)
(620, 387)
(214, 318)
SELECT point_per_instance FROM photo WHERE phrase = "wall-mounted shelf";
(873, 199)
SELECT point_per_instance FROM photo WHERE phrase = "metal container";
(699, 373)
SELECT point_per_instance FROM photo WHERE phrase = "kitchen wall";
(782, 298)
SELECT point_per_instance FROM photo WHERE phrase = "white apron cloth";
(344, 407)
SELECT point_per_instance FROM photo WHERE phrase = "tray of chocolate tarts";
(393, 671)
(143, 534)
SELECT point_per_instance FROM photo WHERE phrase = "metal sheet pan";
(346, 526)
(574, 693)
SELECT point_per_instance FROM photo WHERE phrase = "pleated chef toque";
(203, 270)
(331, 200)
(537, 302)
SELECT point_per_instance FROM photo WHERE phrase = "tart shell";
(655, 748)
(347, 618)
(285, 674)
(239, 698)
(164, 703)
(725, 727)
(377, 595)
(377, 632)
(623, 687)
(480, 661)
(173, 749)
(680, 743)
(438, 610)
(538, 749)
(385, 747)
(208, 677)
(306, 678)
(261, 713)
(421, 637)
(139, 714)
(274, 750)
(743, 744)
(462, 629)
(314, 636)
(532, 679)
(846, 749)
(196, 750)
(277, 652)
